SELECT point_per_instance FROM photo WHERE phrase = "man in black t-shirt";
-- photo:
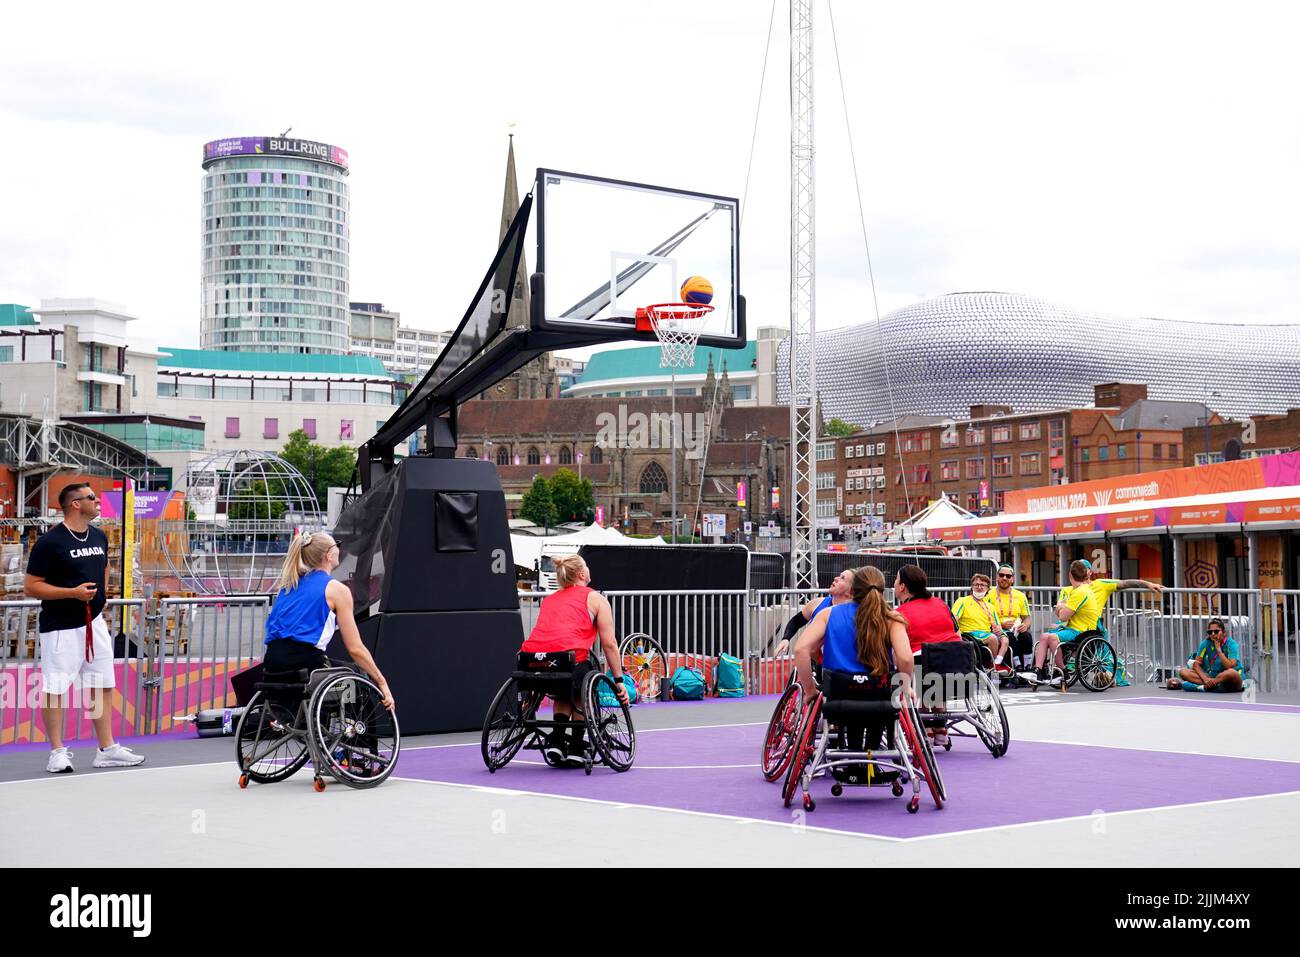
(66, 571)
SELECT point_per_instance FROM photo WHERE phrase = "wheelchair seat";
(545, 671)
(856, 699)
(283, 680)
(948, 657)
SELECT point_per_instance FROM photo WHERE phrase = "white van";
(546, 580)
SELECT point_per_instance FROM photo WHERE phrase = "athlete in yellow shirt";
(1103, 588)
(1078, 609)
(1012, 608)
(977, 619)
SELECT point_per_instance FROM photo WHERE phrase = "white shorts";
(63, 658)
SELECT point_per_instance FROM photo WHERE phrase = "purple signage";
(147, 504)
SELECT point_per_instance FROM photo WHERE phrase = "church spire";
(518, 316)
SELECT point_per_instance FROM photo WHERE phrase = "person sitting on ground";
(977, 619)
(1216, 666)
(861, 637)
(309, 607)
(571, 619)
(840, 591)
(929, 619)
(1012, 608)
(1078, 609)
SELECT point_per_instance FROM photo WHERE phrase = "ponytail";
(306, 552)
(873, 618)
(567, 570)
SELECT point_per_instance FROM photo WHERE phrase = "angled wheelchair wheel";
(609, 722)
(778, 743)
(1094, 664)
(644, 659)
(352, 735)
(504, 729)
(803, 750)
(922, 753)
(985, 704)
(266, 745)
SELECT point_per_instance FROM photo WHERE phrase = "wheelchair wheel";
(266, 745)
(1094, 664)
(504, 731)
(985, 704)
(778, 743)
(351, 734)
(645, 661)
(803, 749)
(609, 725)
(922, 753)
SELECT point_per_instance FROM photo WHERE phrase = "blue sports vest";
(303, 614)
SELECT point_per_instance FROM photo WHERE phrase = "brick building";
(1249, 438)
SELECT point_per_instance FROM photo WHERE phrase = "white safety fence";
(1280, 662)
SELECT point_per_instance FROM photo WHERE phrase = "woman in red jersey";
(572, 619)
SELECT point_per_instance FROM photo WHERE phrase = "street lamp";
(748, 489)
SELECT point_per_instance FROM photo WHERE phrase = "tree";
(256, 502)
(574, 499)
(839, 427)
(538, 506)
(322, 468)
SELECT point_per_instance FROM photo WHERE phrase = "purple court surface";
(713, 770)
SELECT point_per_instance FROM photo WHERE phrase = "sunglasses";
(86, 498)
(1215, 631)
(1005, 576)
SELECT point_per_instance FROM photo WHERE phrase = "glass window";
(1158, 450)
(1121, 450)
(1002, 433)
(566, 455)
(271, 429)
(949, 470)
(1030, 463)
(1029, 431)
(597, 455)
(974, 436)
(534, 456)
(974, 468)
(653, 479)
(232, 427)
(309, 426)
(1001, 465)
(1103, 452)
(825, 451)
(345, 433)
(503, 455)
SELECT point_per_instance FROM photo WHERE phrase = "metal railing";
(1280, 660)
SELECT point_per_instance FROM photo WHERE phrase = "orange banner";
(1071, 526)
(952, 534)
(982, 532)
(1266, 472)
(1143, 519)
(1028, 529)
(1287, 510)
(1198, 515)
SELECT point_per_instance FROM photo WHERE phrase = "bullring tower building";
(275, 246)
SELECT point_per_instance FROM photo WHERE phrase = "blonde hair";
(567, 570)
(305, 554)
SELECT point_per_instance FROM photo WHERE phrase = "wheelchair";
(512, 723)
(1088, 659)
(952, 679)
(334, 717)
(839, 735)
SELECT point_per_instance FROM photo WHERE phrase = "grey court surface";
(1129, 777)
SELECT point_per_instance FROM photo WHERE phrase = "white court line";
(670, 810)
(1191, 702)
(689, 727)
(1125, 747)
(1104, 814)
(658, 767)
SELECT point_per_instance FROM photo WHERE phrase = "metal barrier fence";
(1280, 662)
(172, 658)
(20, 673)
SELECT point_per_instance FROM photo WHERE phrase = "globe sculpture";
(244, 508)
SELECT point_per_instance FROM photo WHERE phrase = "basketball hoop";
(677, 326)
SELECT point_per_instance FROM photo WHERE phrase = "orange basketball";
(697, 290)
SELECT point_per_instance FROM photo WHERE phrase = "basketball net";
(677, 325)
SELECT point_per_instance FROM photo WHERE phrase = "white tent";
(528, 548)
(941, 513)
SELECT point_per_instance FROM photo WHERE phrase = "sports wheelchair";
(334, 717)
(959, 697)
(512, 723)
(1088, 659)
(840, 733)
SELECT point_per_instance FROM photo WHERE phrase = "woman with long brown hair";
(864, 636)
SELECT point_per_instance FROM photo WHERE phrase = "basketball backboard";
(606, 248)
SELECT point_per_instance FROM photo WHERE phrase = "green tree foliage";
(839, 427)
(573, 497)
(256, 502)
(322, 468)
(538, 506)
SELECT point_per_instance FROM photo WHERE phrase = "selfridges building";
(949, 353)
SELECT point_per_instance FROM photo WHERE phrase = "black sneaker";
(1042, 674)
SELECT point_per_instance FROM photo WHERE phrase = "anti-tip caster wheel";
(837, 790)
(243, 781)
(897, 789)
(318, 784)
(947, 745)
(809, 804)
(914, 805)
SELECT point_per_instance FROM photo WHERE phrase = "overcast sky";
(1129, 158)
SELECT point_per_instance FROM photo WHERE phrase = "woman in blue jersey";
(863, 637)
(309, 607)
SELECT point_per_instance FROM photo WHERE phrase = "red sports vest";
(928, 619)
(564, 623)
